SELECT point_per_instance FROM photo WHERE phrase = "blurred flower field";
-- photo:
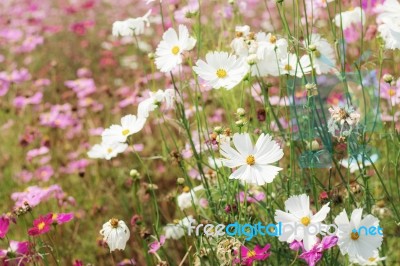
(169, 132)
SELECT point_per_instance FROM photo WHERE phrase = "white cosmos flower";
(254, 163)
(154, 101)
(169, 51)
(372, 260)
(270, 50)
(107, 150)
(115, 233)
(292, 66)
(354, 162)
(131, 26)
(298, 214)
(389, 20)
(215, 163)
(188, 198)
(221, 70)
(391, 35)
(261, 51)
(239, 45)
(350, 241)
(347, 18)
(322, 53)
(130, 124)
(177, 229)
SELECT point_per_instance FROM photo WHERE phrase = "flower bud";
(388, 78)
(218, 130)
(151, 56)
(240, 112)
(239, 123)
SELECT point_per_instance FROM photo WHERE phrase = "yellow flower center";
(175, 50)
(250, 160)
(186, 189)
(354, 235)
(221, 73)
(251, 253)
(288, 67)
(125, 132)
(305, 220)
(317, 54)
(372, 259)
(54, 216)
(109, 150)
(272, 39)
(392, 92)
(41, 225)
(114, 222)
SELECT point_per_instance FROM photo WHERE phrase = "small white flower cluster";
(360, 247)
(177, 229)
(115, 137)
(269, 55)
(131, 26)
(343, 121)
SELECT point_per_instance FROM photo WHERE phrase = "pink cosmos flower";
(34, 195)
(125, 262)
(60, 218)
(4, 84)
(315, 254)
(60, 116)
(248, 256)
(252, 197)
(30, 44)
(19, 76)
(21, 101)
(41, 225)
(203, 202)
(36, 152)
(352, 33)
(25, 176)
(83, 87)
(44, 173)
(76, 166)
(156, 245)
(391, 93)
(4, 226)
(42, 83)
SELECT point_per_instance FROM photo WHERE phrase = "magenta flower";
(16, 253)
(156, 245)
(315, 254)
(248, 256)
(60, 218)
(41, 226)
(77, 263)
(4, 226)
